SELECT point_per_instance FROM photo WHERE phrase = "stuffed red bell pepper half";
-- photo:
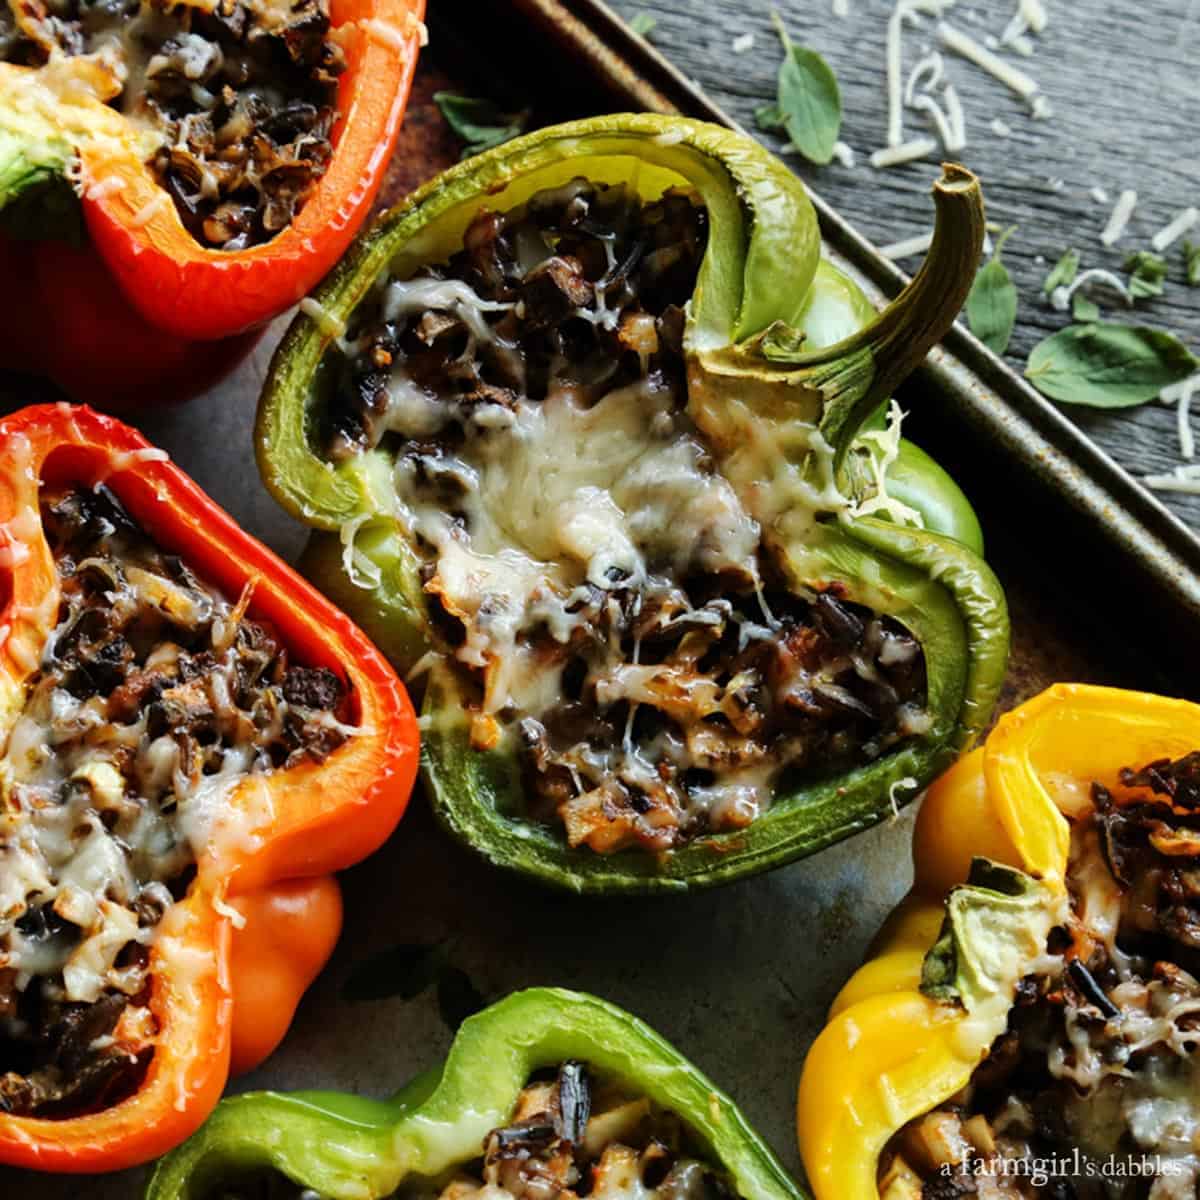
(191, 740)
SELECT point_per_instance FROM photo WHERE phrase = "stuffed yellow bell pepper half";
(1027, 1024)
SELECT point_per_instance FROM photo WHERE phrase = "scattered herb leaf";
(808, 104)
(1083, 308)
(1063, 273)
(1106, 365)
(404, 971)
(642, 23)
(992, 303)
(458, 998)
(1191, 259)
(479, 123)
(1148, 271)
(769, 118)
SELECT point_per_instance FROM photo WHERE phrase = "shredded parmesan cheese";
(958, 121)
(743, 42)
(329, 325)
(1121, 214)
(105, 187)
(235, 918)
(908, 247)
(1175, 229)
(928, 104)
(150, 210)
(907, 782)
(1181, 394)
(360, 570)
(1185, 480)
(1001, 128)
(387, 35)
(906, 152)
(1060, 298)
(925, 75)
(966, 46)
(844, 154)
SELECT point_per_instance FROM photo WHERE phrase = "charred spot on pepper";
(1099, 1053)
(242, 96)
(595, 582)
(154, 696)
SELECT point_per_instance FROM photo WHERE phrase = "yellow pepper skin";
(890, 1053)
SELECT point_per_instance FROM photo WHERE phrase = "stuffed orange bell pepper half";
(173, 173)
(1028, 1024)
(193, 740)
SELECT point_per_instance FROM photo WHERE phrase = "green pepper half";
(348, 1148)
(787, 364)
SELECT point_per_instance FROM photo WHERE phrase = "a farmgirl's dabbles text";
(1100, 1050)
(570, 1136)
(601, 592)
(154, 696)
(238, 97)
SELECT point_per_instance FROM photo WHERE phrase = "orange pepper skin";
(289, 933)
(281, 835)
(889, 1053)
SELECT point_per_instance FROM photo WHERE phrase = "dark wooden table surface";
(1121, 77)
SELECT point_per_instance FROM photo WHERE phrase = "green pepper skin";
(349, 1148)
(776, 339)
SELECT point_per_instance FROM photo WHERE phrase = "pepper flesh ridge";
(292, 829)
(890, 1053)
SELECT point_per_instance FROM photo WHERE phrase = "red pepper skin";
(112, 357)
(219, 994)
(113, 323)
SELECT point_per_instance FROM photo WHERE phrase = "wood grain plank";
(1122, 82)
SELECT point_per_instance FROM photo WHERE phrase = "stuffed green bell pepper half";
(591, 439)
(546, 1093)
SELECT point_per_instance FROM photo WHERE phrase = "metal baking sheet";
(738, 978)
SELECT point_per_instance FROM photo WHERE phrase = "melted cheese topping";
(601, 549)
(153, 700)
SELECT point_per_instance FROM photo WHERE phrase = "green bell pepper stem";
(783, 352)
(837, 309)
(348, 1148)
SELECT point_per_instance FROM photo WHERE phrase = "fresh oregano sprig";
(808, 103)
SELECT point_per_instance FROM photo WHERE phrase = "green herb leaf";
(994, 922)
(1083, 309)
(809, 102)
(1106, 365)
(992, 303)
(1148, 270)
(1063, 273)
(479, 123)
(404, 971)
(769, 118)
(458, 998)
(642, 23)
(1191, 259)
